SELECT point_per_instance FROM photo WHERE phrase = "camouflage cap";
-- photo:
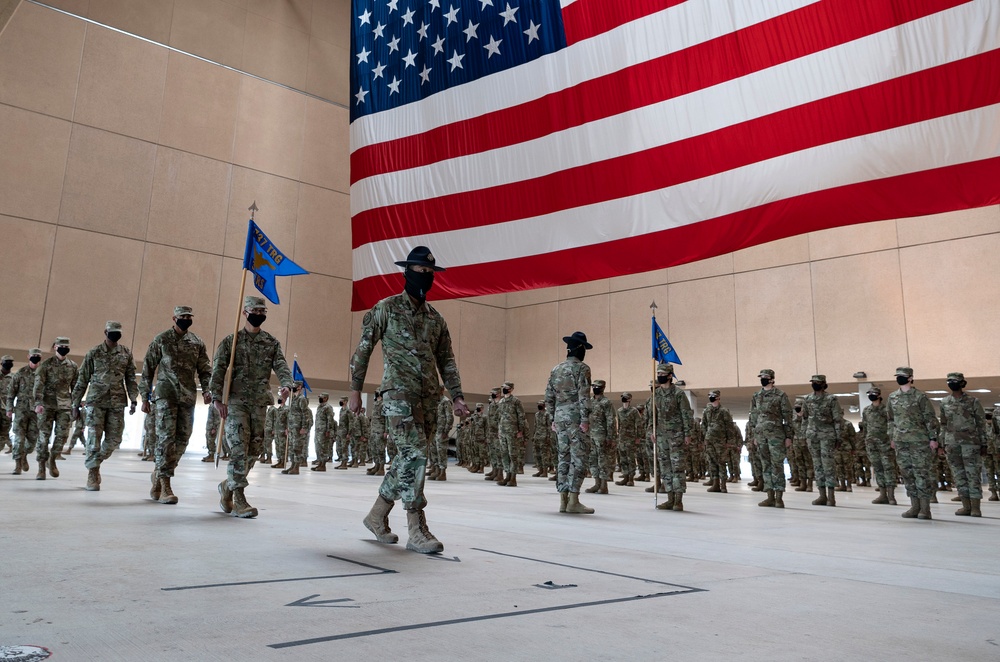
(626, 395)
(111, 325)
(820, 379)
(61, 341)
(251, 301)
(495, 390)
(665, 369)
(324, 395)
(955, 376)
(541, 402)
(599, 383)
(716, 392)
(479, 405)
(34, 351)
(509, 385)
(904, 372)
(799, 399)
(766, 372)
(183, 310)
(875, 390)
(297, 383)
(988, 410)
(6, 357)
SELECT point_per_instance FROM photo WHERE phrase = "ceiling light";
(979, 390)
(935, 392)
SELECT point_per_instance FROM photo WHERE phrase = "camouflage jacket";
(148, 428)
(875, 418)
(272, 412)
(299, 415)
(848, 437)
(257, 354)
(963, 420)
(737, 438)
(54, 380)
(107, 374)
(445, 418)
(362, 427)
(543, 426)
(493, 419)
(673, 412)
(602, 419)
(478, 428)
(822, 414)
(511, 418)
(176, 359)
(770, 415)
(416, 346)
(911, 417)
(567, 394)
(213, 422)
(20, 398)
(630, 426)
(347, 422)
(5, 382)
(326, 422)
(717, 424)
(281, 422)
(798, 428)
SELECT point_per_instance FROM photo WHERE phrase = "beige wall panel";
(277, 315)
(269, 128)
(329, 74)
(703, 331)
(33, 151)
(636, 281)
(40, 54)
(190, 201)
(774, 324)
(146, 18)
(630, 340)
(852, 240)
(534, 347)
(949, 292)
(482, 342)
(108, 182)
(94, 278)
(331, 21)
(21, 327)
(494, 300)
(275, 52)
(532, 297)
(576, 290)
(375, 368)
(453, 311)
(175, 277)
(860, 321)
(199, 108)
(121, 84)
(242, 4)
(323, 232)
(951, 225)
(774, 254)
(713, 266)
(78, 7)
(212, 29)
(319, 325)
(592, 315)
(295, 14)
(326, 146)
(278, 202)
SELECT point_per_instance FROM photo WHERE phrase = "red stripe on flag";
(962, 186)
(725, 58)
(588, 18)
(927, 94)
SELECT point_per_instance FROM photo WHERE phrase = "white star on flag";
(493, 47)
(425, 75)
(394, 44)
(470, 32)
(392, 5)
(452, 16)
(410, 59)
(438, 45)
(379, 31)
(532, 31)
(360, 96)
(422, 31)
(508, 15)
(366, 18)
(486, 3)
(363, 55)
(456, 61)
(408, 17)
(435, 4)
(379, 68)
(394, 86)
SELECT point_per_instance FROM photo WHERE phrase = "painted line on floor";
(378, 571)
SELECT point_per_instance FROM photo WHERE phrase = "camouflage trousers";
(716, 455)
(211, 434)
(992, 469)
(672, 461)
(341, 448)
(801, 460)
(510, 452)
(915, 462)
(821, 447)
(627, 456)
(646, 457)
(753, 455)
(298, 451)
(55, 423)
(772, 463)
(244, 430)
(25, 433)
(173, 431)
(538, 451)
(439, 452)
(324, 447)
(5, 432)
(966, 462)
(733, 462)
(550, 452)
(940, 469)
(883, 462)
(409, 426)
(104, 434)
(77, 435)
(496, 456)
(602, 458)
(358, 450)
(572, 455)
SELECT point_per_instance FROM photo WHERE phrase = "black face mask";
(873, 397)
(764, 381)
(7, 365)
(540, 408)
(113, 336)
(506, 391)
(256, 320)
(798, 410)
(625, 400)
(418, 284)
(35, 359)
(662, 379)
(902, 380)
(989, 417)
(712, 399)
(578, 352)
(323, 402)
(184, 324)
(62, 351)
(818, 387)
(598, 391)
(955, 386)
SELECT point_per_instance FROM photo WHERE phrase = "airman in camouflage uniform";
(717, 424)
(696, 452)
(643, 453)
(347, 421)
(280, 433)
(107, 375)
(78, 434)
(493, 436)
(800, 449)
(300, 422)
(843, 457)
(477, 438)
(148, 436)
(416, 345)
(649, 447)
(438, 458)
(257, 355)
(963, 431)
(602, 439)
(175, 357)
(512, 428)
(735, 449)
(631, 431)
(674, 423)
(326, 429)
(992, 459)
(53, 394)
(268, 434)
(913, 430)
(362, 439)
(567, 402)
(6, 377)
(541, 441)
(875, 423)
(212, 424)
(753, 457)
(21, 409)
(824, 423)
(377, 432)
(771, 419)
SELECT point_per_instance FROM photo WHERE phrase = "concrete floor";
(111, 575)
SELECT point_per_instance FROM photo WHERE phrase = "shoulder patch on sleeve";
(367, 319)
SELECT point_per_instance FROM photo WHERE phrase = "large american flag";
(532, 143)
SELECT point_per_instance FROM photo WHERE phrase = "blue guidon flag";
(663, 351)
(265, 261)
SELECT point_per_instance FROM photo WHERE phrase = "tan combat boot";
(342, 465)
(241, 508)
(377, 520)
(956, 498)
(604, 487)
(722, 486)
(882, 498)
(154, 491)
(624, 481)
(714, 486)
(24, 463)
(53, 469)
(17, 467)
(225, 497)
(993, 495)
(502, 478)
(914, 508)
(538, 474)
(93, 480)
(769, 501)
(511, 479)
(778, 502)
(319, 467)
(831, 498)
(381, 470)
(890, 494)
(166, 494)
(974, 504)
(41, 471)
(443, 475)
(292, 470)
(678, 502)
(208, 458)
(433, 473)
(821, 500)
(280, 464)
(934, 498)
(668, 504)
(925, 509)
(966, 508)
(563, 501)
(593, 489)
(708, 482)
(573, 505)
(803, 485)
(371, 471)
(420, 538)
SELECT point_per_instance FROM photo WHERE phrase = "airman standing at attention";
(963, 431)
(992, 459)
(280, 433)
(326, 429)
(212, 424)
(630, 435)
(53, 394)
(439, 446)
(493, 436)
(824, 422)
(6, 377)
(771, 420)
(300, 422)
(717, 424)
(913, 430)
(875, 422)
(512, 428)
(602, 439)
(674, 423)
(21, 409)
(540, 442)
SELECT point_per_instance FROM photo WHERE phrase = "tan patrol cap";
(766, 372)
(955, 377)
(904, 372)
(183, 310)
(112, 325)
(509, 385)
(819, 379)
(251, 301)
(599, 383)
(34, 351)
(665, 369)
(61, 341)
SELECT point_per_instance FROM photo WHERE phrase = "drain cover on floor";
(23, 653)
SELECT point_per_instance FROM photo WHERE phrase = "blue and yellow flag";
(265, 261)
(663, 351)
(298, 376)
